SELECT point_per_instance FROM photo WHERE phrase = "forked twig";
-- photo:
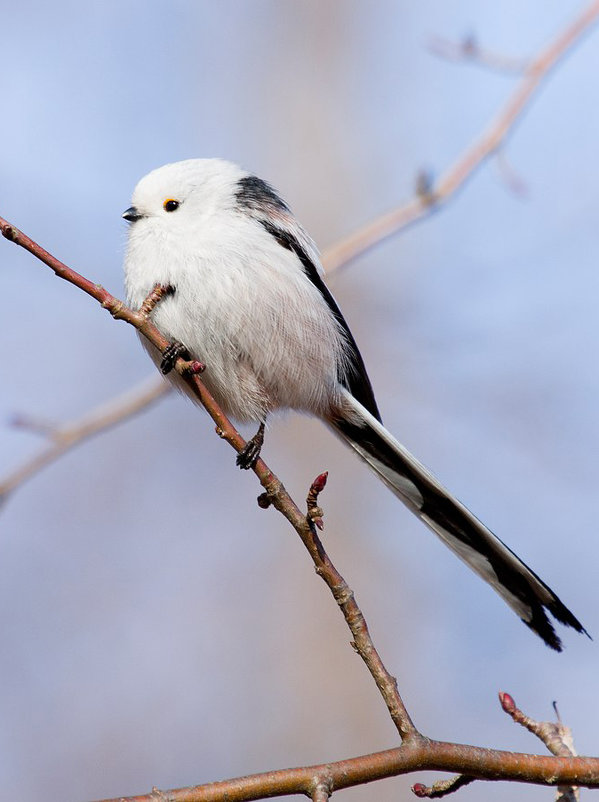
(556, 736)
(473, 157)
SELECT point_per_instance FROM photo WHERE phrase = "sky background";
(156, 627)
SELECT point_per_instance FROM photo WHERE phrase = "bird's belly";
(265, 345)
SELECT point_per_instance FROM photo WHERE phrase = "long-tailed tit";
(248, 299)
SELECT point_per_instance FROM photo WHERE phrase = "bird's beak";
(132, 214)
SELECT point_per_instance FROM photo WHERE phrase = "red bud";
(319, 483)
(507, 702)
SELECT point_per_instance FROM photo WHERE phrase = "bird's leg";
(170, 355)
(251, 451)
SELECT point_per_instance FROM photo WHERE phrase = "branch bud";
(507, 702)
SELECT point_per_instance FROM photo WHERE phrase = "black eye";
(170, 205)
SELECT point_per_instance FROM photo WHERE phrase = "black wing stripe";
(357, 382)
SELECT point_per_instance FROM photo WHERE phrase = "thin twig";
(513, 182)
(321, 792)
(159, 291)
(473, 157)
(469, 49)
(276, 493)
(67, 436)
(556, 736)
(442, 787)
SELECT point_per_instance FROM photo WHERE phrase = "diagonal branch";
(473, 157)
(276, 493)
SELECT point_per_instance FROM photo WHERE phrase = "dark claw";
(171, 354)
(248, 455)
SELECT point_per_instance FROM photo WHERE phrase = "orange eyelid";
(169, 200)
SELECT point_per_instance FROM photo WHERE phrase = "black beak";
(132, 214)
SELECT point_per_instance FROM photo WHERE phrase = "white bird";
(248, 299)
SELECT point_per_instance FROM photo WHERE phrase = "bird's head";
(192, 190)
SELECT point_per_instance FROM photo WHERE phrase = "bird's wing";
(263, 203)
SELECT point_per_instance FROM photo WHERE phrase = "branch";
(442, 787)
(424, 204)
(67, 436)
(275, 492)
(425, 755)
(555, 735)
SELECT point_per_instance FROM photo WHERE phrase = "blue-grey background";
(156, 627)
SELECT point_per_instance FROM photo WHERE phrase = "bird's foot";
(171, 354)
(249, 454)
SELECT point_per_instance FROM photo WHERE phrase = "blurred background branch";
(470, 50)
(67, 435)
(453, 179)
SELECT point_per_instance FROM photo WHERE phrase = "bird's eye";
(170, 205)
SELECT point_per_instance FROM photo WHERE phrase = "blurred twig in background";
(474, 156)
(64, 437)
(469, 49)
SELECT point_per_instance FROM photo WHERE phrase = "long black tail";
(457, 527)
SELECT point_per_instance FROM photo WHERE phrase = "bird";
(247, 298)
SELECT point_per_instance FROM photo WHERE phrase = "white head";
(185, 191)
(189, 196)
(190, 203)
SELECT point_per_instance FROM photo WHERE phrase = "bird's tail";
(451, 521)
